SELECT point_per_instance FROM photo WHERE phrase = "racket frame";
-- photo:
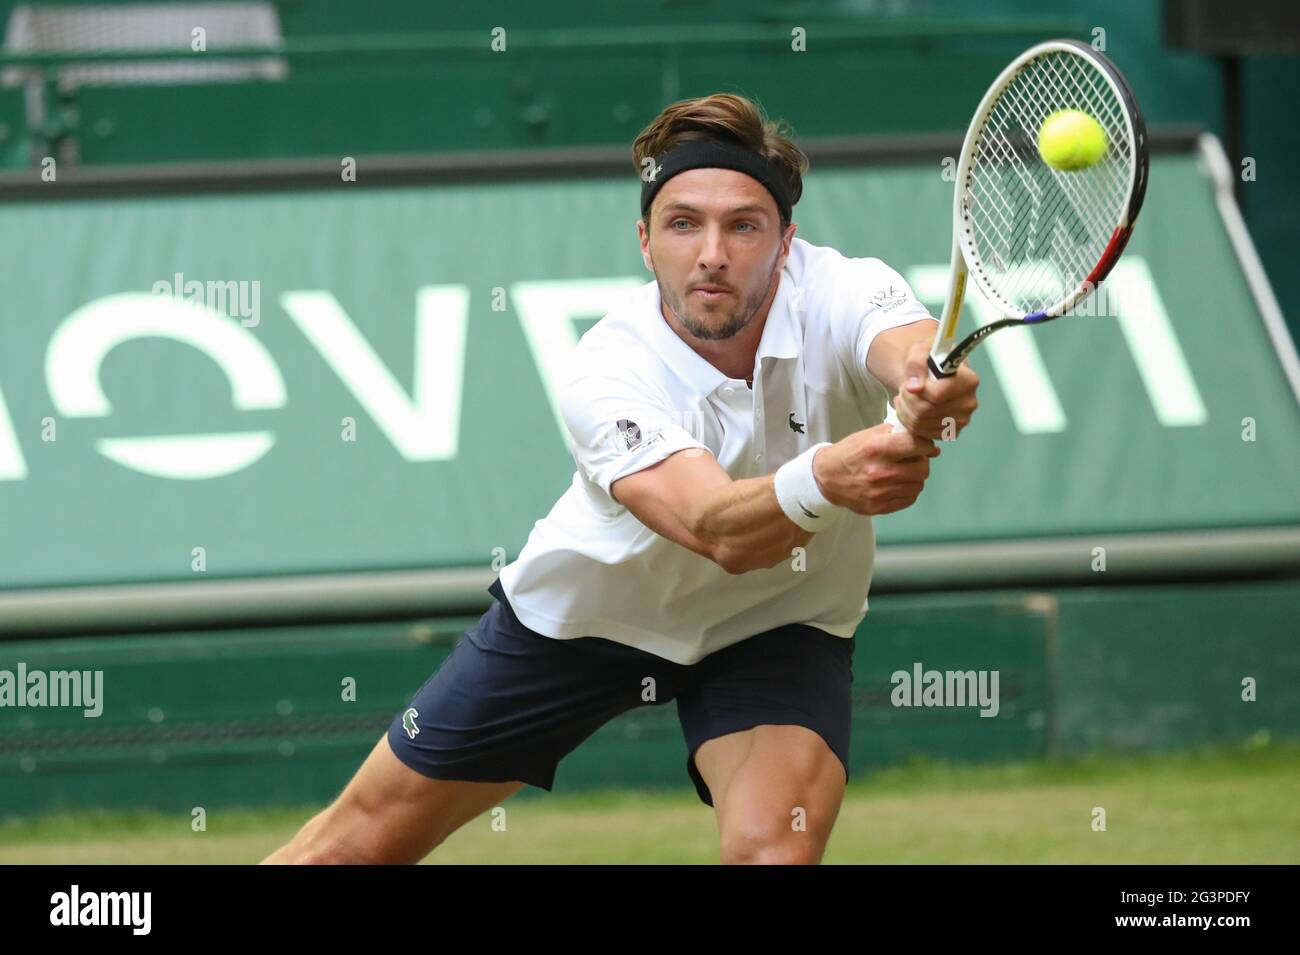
(947, 354)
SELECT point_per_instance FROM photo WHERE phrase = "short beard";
(740, 318)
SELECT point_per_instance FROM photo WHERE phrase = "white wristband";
(800, 497)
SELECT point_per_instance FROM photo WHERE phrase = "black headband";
(714, 154)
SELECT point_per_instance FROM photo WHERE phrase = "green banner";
(362, 378)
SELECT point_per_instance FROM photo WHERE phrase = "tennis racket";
(1038, 240)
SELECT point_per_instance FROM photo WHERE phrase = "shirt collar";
(777, 341)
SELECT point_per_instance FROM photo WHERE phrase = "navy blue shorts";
(509, 703)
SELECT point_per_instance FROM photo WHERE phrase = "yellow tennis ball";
(1070, 140)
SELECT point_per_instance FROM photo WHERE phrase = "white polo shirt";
(637, 394)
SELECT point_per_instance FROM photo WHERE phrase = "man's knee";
(751, 844)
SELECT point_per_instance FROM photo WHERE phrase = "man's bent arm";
(690, 499)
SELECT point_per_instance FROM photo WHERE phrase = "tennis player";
(715, 545)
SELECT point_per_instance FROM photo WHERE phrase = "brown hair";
(724, 116)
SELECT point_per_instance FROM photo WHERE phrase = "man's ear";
(787, 237)
(643, 237)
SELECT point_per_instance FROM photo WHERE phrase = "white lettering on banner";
(1131, 293)
(12, 465)
(1151, 339)
(187, 457)
(80, 343)
(547, 311)
(424, 426)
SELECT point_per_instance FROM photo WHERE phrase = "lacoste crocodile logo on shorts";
(408, 723)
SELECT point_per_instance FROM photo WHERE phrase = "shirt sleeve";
(867, 297)
(617, 428)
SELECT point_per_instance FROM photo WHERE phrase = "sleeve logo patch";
(888, 299)
(629, 434)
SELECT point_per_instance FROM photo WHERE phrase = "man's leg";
(767, 724)
(777, 791)
(389, 813)
(506, 704)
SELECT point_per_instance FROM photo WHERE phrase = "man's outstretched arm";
(898, 360)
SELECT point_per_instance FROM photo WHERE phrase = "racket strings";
(1037, 231)
(1089, 217)
(1043, 212)
(1102, 104)
(1058, 216)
